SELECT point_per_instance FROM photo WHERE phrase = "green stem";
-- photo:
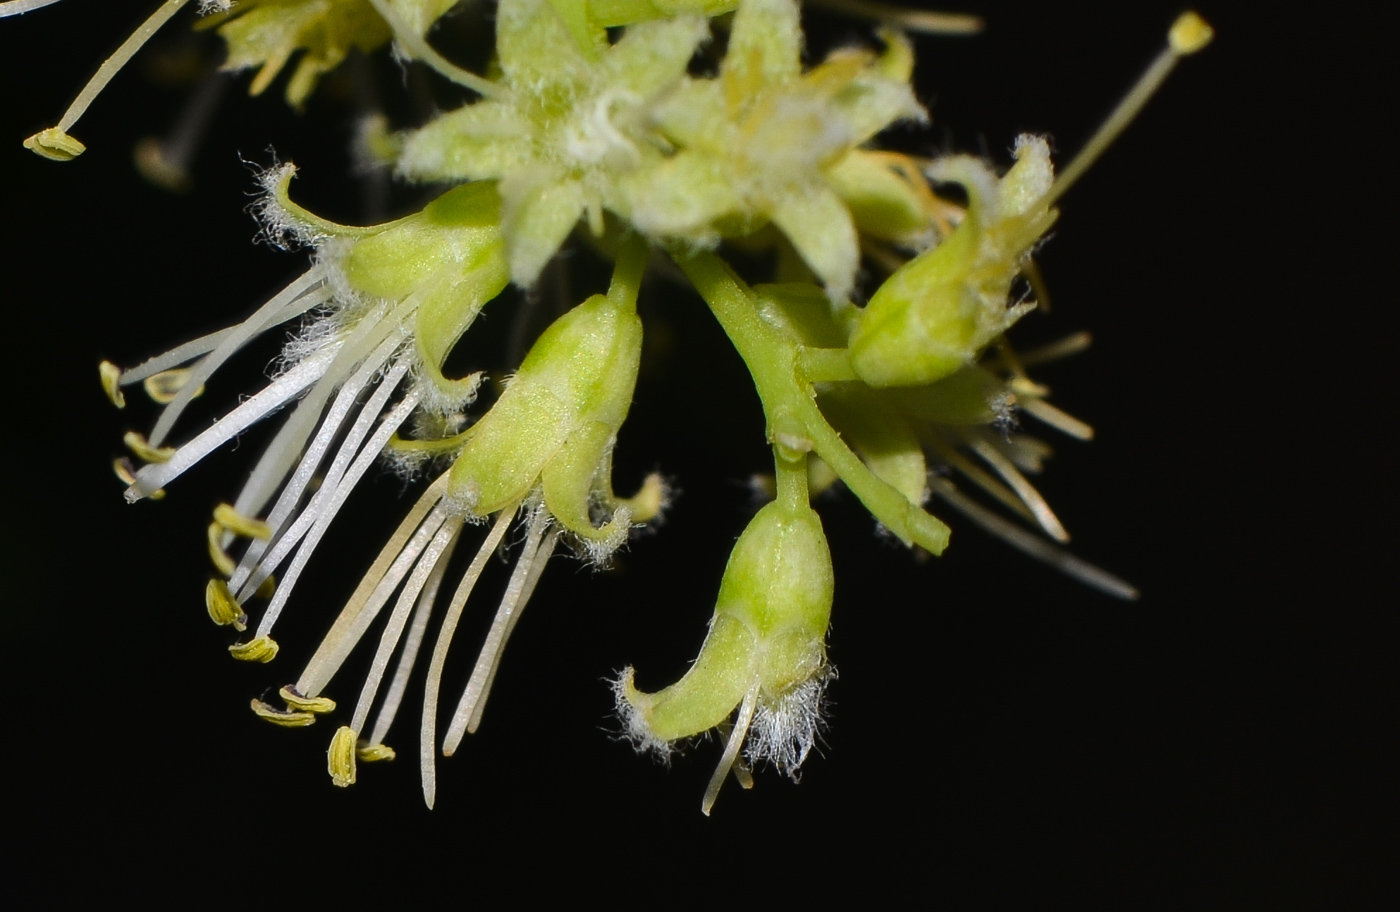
(795, 424)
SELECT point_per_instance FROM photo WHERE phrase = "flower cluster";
(662, 136)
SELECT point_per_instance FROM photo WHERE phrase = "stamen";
(389, 639)
(1057, 419)
(178, 355)
(731, 749)
(426, 736)
(914, 20)
(369, 597)
(166, 385)
(283, 717)
(1188, 35)
(235, 522)
(145, 452)
(20, 7)
(274, 396)
(259, 649)
(417, 627)
(340, 758)
(467, 716)
(335, 416)
(295, 699)
(55, 143)
(223, 610)
(980, 477)
(1029, 544)
(217, 555)
(1023, 488)
(166, 162)
(374, 752)
(111, 382)
(1055, 351)
(297, 298)
(323, 511)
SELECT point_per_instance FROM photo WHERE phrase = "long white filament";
(428, 733)
(112, 65)
(175, 357)
(285, 304)
(331, 507)
(398, 619)
(417, 628)
(279, 457)
(275, 395)
(533, 557)
(361, 610)
(335, 417)
(19, 7)
(731, 749)
(1023, 488)
(1031, 545)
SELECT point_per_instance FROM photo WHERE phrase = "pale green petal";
(765, 47)
(538, 210)
(651, 56)
(537, 52)
(480, 141)
(682, 198)
(818, 225)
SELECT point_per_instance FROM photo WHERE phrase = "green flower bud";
(937, 313)
(450, 259)
(766, 649)
(554, 427)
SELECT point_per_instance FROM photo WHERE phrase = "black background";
(997, 732)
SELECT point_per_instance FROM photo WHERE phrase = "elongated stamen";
(1055, 351)
(1188, 35)
(979, 476)
(427, 734)
(364, 606)
(254, 568)
(278, 458)
(1031, 545)
(1044, 516)
(19, 7)
(331, 507)
(731, 749)
(1058, 419)
(297, 298)
(54, 142)
(534, 554)
(389, 640)
(901, 17)
(274, 396)
(335, 417)
(417, 628)
(166, 162)
(418, 48)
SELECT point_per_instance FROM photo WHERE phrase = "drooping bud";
(768, 635)
(937, 313)
(554, 426)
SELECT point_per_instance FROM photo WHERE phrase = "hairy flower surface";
(679, 140)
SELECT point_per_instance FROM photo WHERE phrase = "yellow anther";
(340, 758)
(54, 144)
(267, 589)
(166, 385)
(1189, 33)
(111, 379)
(224, 609)
(137, 444)
(306, 704)
(282, 717)
(124, 471)
(222, 562)
(373, 753)
(239, 524)
(258, 649)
